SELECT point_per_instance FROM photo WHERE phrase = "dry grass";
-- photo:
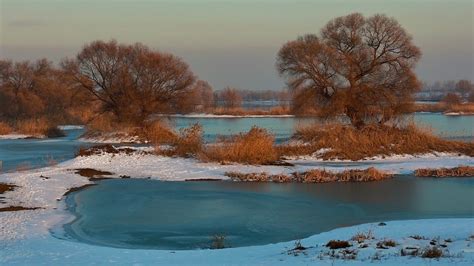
(432, 108)
(361, 237)
(346, 142)
(467, 108)
(254, 147)
(5, 128)
(33, 127)
(159, 133)
(460, 171)
(432, 252)
(188, 143)
(356, 175)
(313, 176)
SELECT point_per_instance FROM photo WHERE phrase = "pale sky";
(230, 42)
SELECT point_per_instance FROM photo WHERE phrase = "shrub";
(361, 237)
(54, 132)
(5, 128)
(337, 244)
(188, 143)
(158, 133)
(384, 244)
(432, 252)
(254, 147)
(218, 241)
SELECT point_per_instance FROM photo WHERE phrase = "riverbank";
(25, 235)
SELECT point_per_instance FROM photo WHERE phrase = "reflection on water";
(183, 215)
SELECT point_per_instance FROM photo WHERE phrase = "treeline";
(438, 90)
(123, 83)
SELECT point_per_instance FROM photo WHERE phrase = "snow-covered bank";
(25, 235)
(18, 136)
(205, 115)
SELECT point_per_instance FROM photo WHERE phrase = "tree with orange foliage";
(131, 81)
(30, 90)
(359, 67)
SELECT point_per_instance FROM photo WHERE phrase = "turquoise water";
(37, 152)
(149, 214)
(451, 127)
(32, 153)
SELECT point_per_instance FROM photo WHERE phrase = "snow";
(25, 236)
(70, 127)
(204, 115)
(21, 136)
(15, 136)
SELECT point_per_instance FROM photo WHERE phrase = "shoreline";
(23, 232)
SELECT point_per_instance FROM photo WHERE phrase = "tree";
(231, 97)
(32, 90)
(358, 67)
(451, 99)
(464, 87)
(131, 81)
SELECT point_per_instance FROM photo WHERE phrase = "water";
(32, 153)
(451, 127)
(38, 152)
(151, 214)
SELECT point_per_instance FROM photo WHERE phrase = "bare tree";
(451, 99)
(464, 87)
(231, 97)
(131, 81)
(358, 67)
(31, 90)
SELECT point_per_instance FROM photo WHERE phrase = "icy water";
(149, 214)
(451, 127)
(33, 153)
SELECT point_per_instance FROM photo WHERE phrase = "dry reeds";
(346, 142)
(253, 147)
(35, 127)
(5, 128)
(159, 133)
(313, 176)
(460, 171)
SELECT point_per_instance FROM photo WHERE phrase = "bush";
(218, 242)
(337, 244)
(188, 143)
(254, 147)
(158, 133)
(54, 132)
(432, 252)
(5, 128)
(347, 142)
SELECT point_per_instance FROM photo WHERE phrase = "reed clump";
(348, 143)
(460, 171)
(314, 176)
(253, 147)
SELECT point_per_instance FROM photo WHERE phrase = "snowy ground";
(204, 115)
(25, 236)
(19, 136)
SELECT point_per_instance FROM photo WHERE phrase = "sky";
(230, 42)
